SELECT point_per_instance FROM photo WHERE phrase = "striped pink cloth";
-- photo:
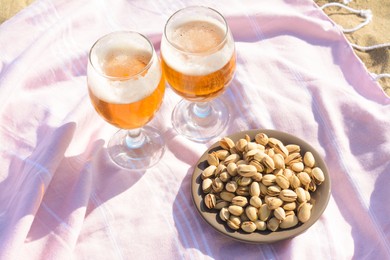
(62, 198)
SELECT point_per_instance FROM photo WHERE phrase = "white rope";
(368, 15)
(370, 48)
(379, 76)
(363, 13)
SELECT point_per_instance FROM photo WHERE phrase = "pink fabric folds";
(62, 198)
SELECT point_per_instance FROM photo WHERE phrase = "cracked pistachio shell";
(250, 146)
(304, 178)
(240, 201)
(309, 160)
(224, 176)
(242, 190)
(209, 171)
(279, 213)
(221, 204)
(273, 224)
(254, 189)
(226, 196)
(241, 144)
(290, 206)
(293, 148)
(246, 170)
(289, 222)
(301, 194)
(244, 181)
(248, 226)
(273, 190)
(255, 201)
(278, 161)
(222, 154)
(231, 186)
(273, 202)
(261, 138)
(226, 143)
(288, 195)
(207, 185)
(295, 182)
(217, 185)
(232, 158)
(268, 162)
(235, 210)
(212, 159)
(297, 166)
(304, 212)
(264, 212)
(234, 222)
(232, 169)
(224, 214)
(268, 179)
(282, 181)
(261, 225)
(258, 165)
(251, 213)
(292, 157)
(318, 175)
(210, 200)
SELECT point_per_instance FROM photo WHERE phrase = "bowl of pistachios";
(261, 186)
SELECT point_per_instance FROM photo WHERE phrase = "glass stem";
(202, 109)
(134, 138)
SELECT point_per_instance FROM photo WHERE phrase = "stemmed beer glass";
(126, 88)
(198, 59)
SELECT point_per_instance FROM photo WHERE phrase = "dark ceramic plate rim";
(323, 191)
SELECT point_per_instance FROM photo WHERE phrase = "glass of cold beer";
(126, 88)
(199, 60)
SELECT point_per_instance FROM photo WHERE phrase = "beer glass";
(198, 60)
(126, 88)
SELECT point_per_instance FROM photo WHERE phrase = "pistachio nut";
(279, 213)
(309, 160)
(226, 143)
(254, 189)
(235, 210)
(255, 201)
(273, 224)
(318, 175)
(251, 212)
(264, 212)
(212, 159)
(209, 171)
(231, 186)
(304, 212)
(248, 226)
(224, 214)
(289, 222)
(260, 225)
(207, 185)
(240, 201)
(288, 195)
(210, 200)
(246, 170)
(261, 138)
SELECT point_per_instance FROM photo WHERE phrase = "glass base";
(200, 121)
(138, 151)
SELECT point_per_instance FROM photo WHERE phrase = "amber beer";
(197, 59)
(131, 90)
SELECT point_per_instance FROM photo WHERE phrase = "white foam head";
(123, 90)
(191, 63)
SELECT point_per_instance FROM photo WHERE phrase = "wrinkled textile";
(61, 197)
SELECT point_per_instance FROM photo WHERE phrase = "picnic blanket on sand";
(61, 197)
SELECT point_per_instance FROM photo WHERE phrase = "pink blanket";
(62, 198)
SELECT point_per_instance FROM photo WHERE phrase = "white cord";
(370, 48)
(363, 13)
(379, 76)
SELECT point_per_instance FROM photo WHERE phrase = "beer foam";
(197, 64)
(122, 90)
